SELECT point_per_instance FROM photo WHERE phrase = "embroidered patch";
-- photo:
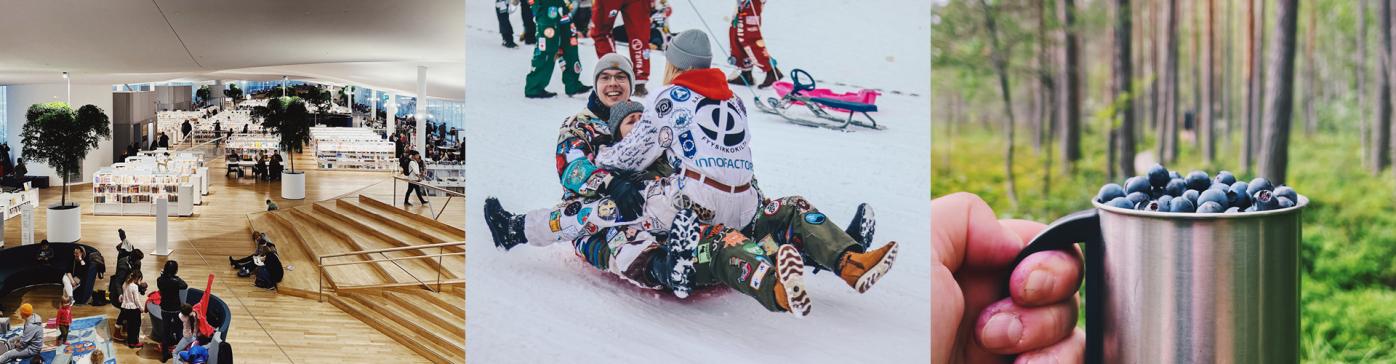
(548, 33)
(704, 253)
(814, 218)
(772, 208)
(606, 210)
(553, 223)
(733, 238)
(753, 248)
(760, 274)
(582, 215)
(745, 268)
(680, 94)
(666, 137)
(572, 208)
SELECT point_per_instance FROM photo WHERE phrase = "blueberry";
(1136, 184)
(1163, 203)
(1174, 175)
(1158, 176)
(1284, 202)
(1249, 209)
(1210, 207)
(1286, 192)
(1137, 197)
(1180, 205)
(1212, 195)
(1225, 177)
(1109, 192)
(1120, 202)
(1147, 206)
(1257, 185)
(1237, 195)
(1218, 186)
(1191, 196)
(1264, 200)
(1175, 187)
(1233, 209)
(1198, 180)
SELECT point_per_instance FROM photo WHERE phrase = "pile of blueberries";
(1162, 190)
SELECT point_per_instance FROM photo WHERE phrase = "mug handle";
(1078, 227)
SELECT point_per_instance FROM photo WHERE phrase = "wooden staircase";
(432, 324)
(394, 296)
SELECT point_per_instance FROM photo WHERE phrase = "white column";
(216, 93)
(420, 138)
(372, 104)
(391, 123)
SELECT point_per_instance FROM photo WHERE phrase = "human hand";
(978, 320)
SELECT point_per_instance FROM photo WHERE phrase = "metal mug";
(1186, 288)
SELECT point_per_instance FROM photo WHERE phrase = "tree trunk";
(1310, 75)
(1168, 123)
(1279, 95)
(1000, 61)
(1123, 78)
(1197, 85)
(1206, 129)
(1069, 91)
(1360, 76)
(1252, 91)
(1227, 114)
(1381, 142)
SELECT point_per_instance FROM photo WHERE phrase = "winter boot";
(862, 226)
(639, 91)
(509, 43)
(580, 91)
(743, 78)
(507, 229)
(862, 270)
(771, 78)
(790, 281)
(529, 39)
(676, 269)
(541, 95)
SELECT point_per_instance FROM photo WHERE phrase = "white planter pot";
(293, 185)
(64, 224)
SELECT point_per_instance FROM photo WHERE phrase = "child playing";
(64, 318)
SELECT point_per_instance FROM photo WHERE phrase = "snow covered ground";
(545, 305)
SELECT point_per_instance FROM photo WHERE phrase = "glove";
(626, 189)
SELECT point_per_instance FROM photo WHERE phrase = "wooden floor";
(267, 327)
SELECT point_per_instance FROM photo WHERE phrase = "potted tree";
(288, 118)
(203, 94)
(56, 135)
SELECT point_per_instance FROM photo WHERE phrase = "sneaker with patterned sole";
(790, 281)
(862, 270)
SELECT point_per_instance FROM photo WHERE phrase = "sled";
(822, 103)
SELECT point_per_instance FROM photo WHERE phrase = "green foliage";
(288, 118)
(203, 93)
(1348, 255)
(57, 136)
(233, 92)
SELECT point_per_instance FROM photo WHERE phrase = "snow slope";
(545, 305)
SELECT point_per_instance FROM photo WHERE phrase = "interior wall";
(20, 97)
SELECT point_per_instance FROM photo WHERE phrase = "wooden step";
(292, 252)
(403, 232)
(362, 230)
(424, 307)
(390, 311)
(419, 232)
(397, 331)
(450, 302)
(325, 241)
(451, 285)
(452, 232)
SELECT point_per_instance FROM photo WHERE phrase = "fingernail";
(1039, 283)
(1002, 331)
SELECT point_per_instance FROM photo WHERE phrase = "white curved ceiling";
(378, 44)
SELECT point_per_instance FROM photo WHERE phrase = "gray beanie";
(618, 113)
(690, 50)
(614, 61)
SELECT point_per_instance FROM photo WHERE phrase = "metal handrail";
(449, 194)
(440, 256)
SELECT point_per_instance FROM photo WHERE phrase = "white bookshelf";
(131, 187)
(352, 149)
